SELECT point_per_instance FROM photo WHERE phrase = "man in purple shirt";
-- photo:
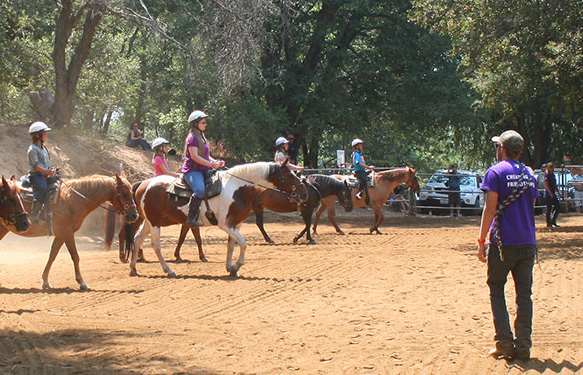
(508, 215)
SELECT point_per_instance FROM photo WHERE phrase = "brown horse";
(12, 211)
(77, 198)
(240, 186)
(385, 182)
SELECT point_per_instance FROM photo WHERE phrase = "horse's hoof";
(46, 285)
(295, 240)
(179, 260)
(271, 242)
(234, 274)
(171, 274)
(341, 233)
(83, 286)
(133, 273)
(204, 259)
(312, 242)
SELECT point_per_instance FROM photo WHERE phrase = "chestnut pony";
(240, 186)
(385, 182)
(77, 198)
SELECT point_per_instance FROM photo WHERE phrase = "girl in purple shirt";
(197, 161)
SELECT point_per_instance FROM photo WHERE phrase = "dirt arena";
(410, 301)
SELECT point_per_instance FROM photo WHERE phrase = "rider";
(160, 161)
(360, 168)
(40, 168)
(281, 147)
(197, 161)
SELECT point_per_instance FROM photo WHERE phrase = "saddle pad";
(353, 181)
(212, 183)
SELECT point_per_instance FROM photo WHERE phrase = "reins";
(227, 169)
(90, 200)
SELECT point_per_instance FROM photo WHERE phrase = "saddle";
(212, 186)
(352, 181)
(27, 193)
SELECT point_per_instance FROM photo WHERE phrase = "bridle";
(6, 202)
(294, 188)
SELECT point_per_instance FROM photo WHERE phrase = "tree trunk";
(66, 77)
(105, 128)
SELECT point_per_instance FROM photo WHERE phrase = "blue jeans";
(39, 186)
(139, 143)
(519, 260)
(196, 182)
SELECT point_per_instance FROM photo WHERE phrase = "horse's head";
(287, 181)
(345, 196)
(11, 207)
(123, 200)
(412, 181)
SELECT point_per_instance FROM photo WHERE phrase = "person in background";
(508, 216)
(160, 161)
(453, 185)
(40, 170)
(197, 161)
(135, 138)
(540, 181)
(578, 189)
(552, 194)
(360, 167)
(281, 148)
(292, 149)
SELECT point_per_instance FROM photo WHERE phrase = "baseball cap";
(510, 139)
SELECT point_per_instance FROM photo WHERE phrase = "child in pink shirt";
(160, 146)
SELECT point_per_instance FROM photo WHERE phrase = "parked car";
(435, 194)
(565, 184)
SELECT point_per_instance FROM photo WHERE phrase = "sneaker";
(499, 353)
(556, 225)
(358, 195)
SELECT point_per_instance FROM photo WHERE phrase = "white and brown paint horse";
(77, 198)
(385, 182)
(240, 186)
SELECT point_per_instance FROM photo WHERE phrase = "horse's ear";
(118, 179)
(13, 178)
(4, 182)
(345, 183)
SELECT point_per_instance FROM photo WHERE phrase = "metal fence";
(570, 187)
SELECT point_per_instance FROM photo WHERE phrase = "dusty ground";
(410, 301)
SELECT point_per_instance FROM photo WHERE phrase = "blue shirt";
(517, 219)
(356, 159)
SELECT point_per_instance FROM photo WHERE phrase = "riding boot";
(193, 210)
(37, 207)
(49, 222)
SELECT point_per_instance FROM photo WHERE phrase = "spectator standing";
(552, 194)
(135, 138)
(508, 216)
(453, 185)
(293, 149)
(578, 190)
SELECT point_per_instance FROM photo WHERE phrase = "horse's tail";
(124, 254)
(110, 219)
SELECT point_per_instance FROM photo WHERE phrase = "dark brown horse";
(385, 182)
(77, 198)
(240, 186)
(319, 187)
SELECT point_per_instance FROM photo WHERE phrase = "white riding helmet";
(280, 141)
(196, 115)
(356, 141)
(159, 141)
(38, 126)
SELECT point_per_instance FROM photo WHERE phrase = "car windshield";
(441, 178)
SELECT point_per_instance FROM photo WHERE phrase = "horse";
(385, 182)
(76, 199)
(319, 187)
(12, 211)
(240, 186)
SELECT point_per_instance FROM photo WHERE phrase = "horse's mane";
(88, 185)
(251, 171)
(322, 178)
(393, 174)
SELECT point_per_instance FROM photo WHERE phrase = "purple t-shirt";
(517, 220)
(189, 164)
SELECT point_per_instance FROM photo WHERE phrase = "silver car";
(435, 192)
